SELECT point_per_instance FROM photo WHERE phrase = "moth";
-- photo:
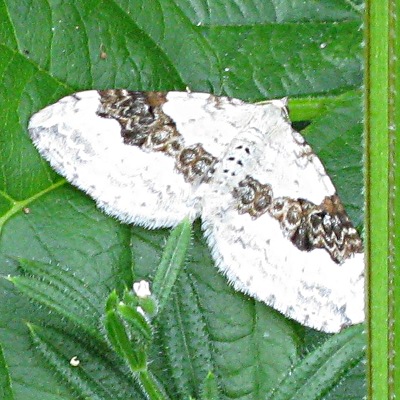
(273, 221)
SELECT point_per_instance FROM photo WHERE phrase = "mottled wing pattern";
(270, 213)
(277, 229)
(85, 144)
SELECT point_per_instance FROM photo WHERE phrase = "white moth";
(270, 213)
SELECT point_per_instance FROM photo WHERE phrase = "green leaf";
(94, 375)
(112, 301)
(136, 321)
(185, 340)
(123, 337)
(323, 368)
(151, 386)
(171, 263)
(121, 343)
(210, 388)
(6, 392)
(62, 293)
(251, 50)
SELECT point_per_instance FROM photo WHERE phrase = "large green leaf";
(251, 50)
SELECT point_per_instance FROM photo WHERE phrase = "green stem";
(309, 108)
(151, 386)
(394, 198)
(378, 193)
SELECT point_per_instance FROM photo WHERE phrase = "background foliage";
(309, 51)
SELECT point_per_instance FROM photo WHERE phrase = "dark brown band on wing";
(144, 124)
(309, 226)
